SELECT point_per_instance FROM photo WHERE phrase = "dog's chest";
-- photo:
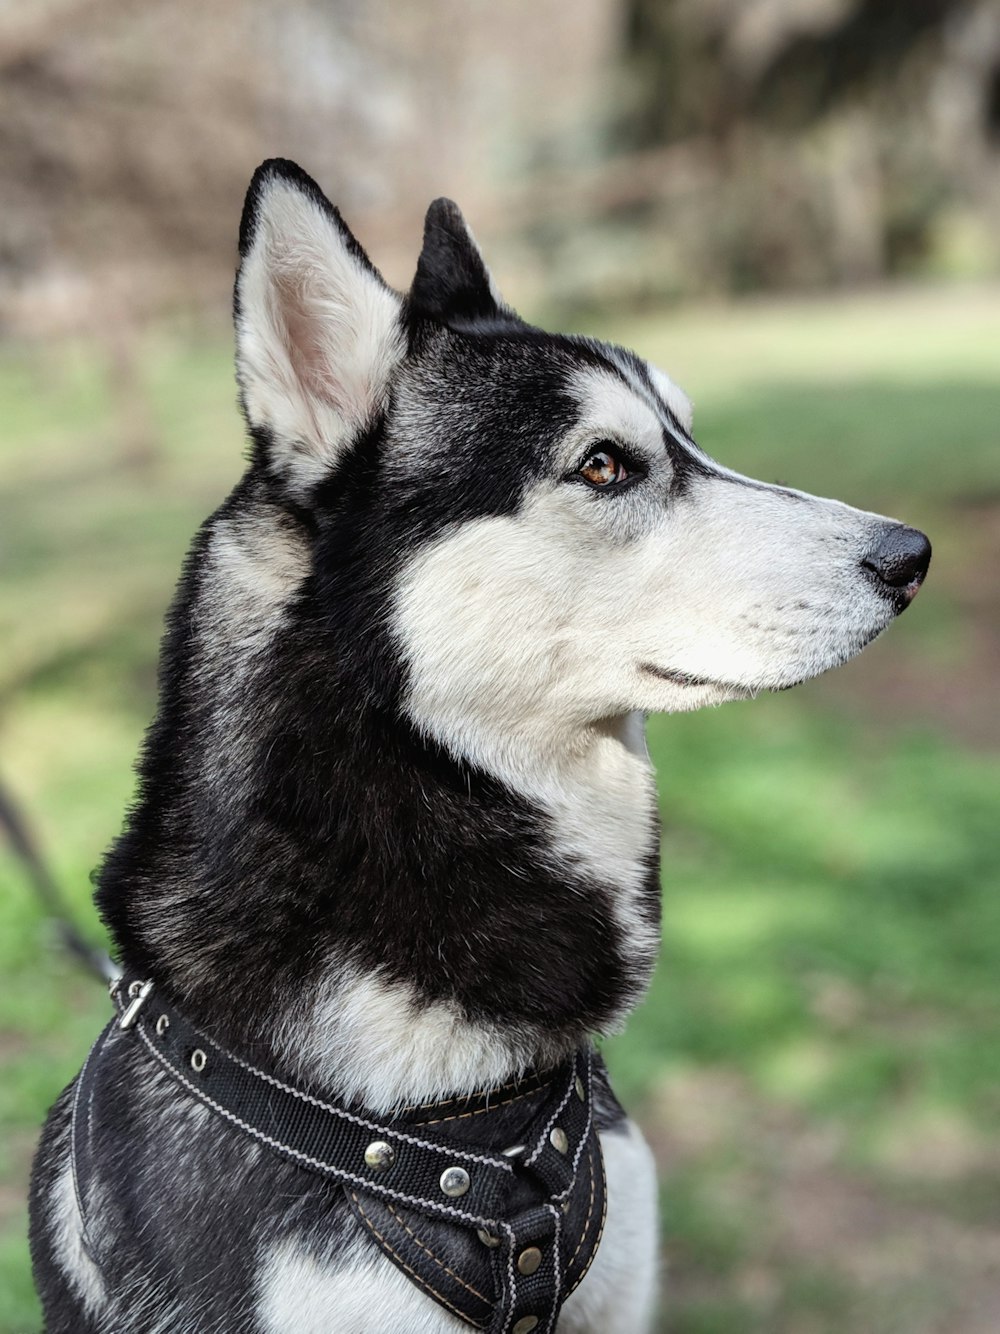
(230, 1185)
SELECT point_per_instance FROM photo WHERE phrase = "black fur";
(452, 284)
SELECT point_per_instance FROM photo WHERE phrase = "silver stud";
(514, 1151)
(526, 1324)
(529, 1260)
(578, 1087)
(558, 1140)
(380, 1155)
(198, 1060)
(488, 1239)
(162, 1024)
(455, 1181)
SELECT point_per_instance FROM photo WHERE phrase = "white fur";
(80, 1270)
(254, 568)
(524, 633)
(618, 1294)
(358, 1294)
(251, 572)
(673, 396)
(318, 334)
(373, 1040)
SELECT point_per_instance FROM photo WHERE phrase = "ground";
(817, 1065)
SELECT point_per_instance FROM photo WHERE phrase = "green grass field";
(818, 1063)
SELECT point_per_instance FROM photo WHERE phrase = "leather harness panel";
(466, 1271)
(493, 1204)
(457, 1268)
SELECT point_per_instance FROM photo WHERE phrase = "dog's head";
(553, 549)
(405, 668)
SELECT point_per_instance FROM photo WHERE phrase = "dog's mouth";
(742, 690)
(688, 679)
(730, 689)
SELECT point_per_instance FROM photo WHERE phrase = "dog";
(395, 844)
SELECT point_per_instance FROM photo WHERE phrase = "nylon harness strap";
(533, 1210)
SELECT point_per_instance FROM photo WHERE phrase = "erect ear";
(452, 282)
(318, 332)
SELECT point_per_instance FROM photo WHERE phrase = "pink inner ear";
(299, 316)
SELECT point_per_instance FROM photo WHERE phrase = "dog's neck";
(319, 885)
(385, 1040)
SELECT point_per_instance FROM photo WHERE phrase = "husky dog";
(395, 837)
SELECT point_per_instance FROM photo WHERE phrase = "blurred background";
(793, 206)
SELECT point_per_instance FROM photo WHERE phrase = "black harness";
(500, 1237)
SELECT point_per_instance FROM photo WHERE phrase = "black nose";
(900, 556)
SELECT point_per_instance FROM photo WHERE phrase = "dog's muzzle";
(493, 1203)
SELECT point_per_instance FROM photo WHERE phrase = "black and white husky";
(396, 833)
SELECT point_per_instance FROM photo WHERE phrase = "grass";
(816, 1065)
(832, 906)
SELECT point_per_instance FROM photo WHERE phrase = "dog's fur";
(396, 828)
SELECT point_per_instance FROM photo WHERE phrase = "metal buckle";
(140, 993)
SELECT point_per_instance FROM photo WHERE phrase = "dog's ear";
(318, 331)
(452, 282)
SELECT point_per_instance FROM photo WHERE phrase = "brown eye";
(603, 469)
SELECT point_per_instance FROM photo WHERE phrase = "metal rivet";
(488, 1239)
(380, 1155)
(578, 1086)
(198, 1060)
(455, 1181)
(162, 1024)
(526, 1324)
(558, 1140)
(514, 1151)
(529, 1260)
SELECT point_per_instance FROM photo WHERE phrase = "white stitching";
(554, 1118)
(401, 1222)
(337, 1173)
(418, 1279)
(586, 1132)
(447, 1152)
(511, 1280)
(360, 1121)
(540, 1145)
(557, 1287)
